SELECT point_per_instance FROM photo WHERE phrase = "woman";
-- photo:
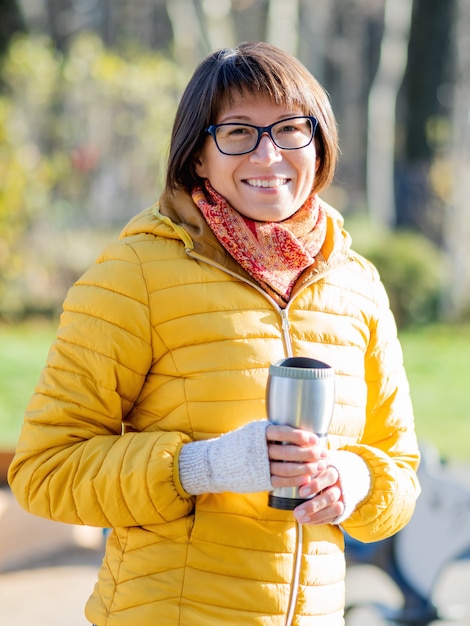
(150, 418)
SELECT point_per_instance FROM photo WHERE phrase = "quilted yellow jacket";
(166, 340)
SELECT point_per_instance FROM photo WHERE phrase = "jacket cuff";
(355, 480)
(194, 468)
(177, 476)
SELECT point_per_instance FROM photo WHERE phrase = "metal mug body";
(301, 393)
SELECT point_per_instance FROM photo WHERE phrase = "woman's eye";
(232, 132)
(239, 130)
(289, 128)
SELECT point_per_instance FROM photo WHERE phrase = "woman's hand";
(298, 459)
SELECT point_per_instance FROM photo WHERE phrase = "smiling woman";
(150, 415)
(265, 173)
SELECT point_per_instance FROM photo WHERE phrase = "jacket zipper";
(285, 327)
(283, 313)
(288, 351)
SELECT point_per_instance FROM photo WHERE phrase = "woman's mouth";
(266, 182)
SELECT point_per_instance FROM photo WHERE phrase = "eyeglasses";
(291, 133)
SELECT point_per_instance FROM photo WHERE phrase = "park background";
(88, 90)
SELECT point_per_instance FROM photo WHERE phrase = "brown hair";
(258, 68)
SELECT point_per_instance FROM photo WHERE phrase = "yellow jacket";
(166, 340)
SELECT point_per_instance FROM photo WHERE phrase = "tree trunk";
(382, 112)
(349, 54)
(315, 32)
(218, 24)
(456, 301)
(188, 45)
(11, 22)
(283, 25)
(424, 110)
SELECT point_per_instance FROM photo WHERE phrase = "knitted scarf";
(273, 253)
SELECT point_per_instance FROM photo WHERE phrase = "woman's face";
(268, 184)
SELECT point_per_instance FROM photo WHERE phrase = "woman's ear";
(199, 166)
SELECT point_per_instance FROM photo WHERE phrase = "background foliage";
(88, 92)
(84, 136)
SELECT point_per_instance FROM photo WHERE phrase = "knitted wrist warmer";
(237, 462)
(354, 477)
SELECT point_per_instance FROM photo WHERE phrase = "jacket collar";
(179, 207)
(176, 216)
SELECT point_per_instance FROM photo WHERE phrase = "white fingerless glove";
(354, 478)
(237, 462)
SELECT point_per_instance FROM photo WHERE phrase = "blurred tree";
(315, 26)
(124, 21)
(347, 78)
(456, 302)
(249, 18)
(219, 25)
(424, 113)
(63, 22)
(83, 141)
(382, 104)
(118, 22)
(282, 28)
(198, 28)
(100, 130)
(25, 177)
(11, 22)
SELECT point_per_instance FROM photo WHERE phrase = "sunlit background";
(88, 91)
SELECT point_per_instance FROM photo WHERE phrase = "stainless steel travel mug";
(301, 393)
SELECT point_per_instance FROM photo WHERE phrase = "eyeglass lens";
(288, 134)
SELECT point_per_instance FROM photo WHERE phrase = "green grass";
(23, 351)
(437, 359)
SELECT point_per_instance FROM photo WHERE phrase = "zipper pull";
(285, 320)
(285, 325)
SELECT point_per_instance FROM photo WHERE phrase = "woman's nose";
(266, 151)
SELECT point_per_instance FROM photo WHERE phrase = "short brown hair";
(258, 68)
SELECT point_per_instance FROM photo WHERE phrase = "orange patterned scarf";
(273, 253)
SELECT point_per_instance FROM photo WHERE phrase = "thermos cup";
(300, 392)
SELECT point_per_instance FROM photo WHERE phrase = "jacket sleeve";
(73, 462)
(389, 445)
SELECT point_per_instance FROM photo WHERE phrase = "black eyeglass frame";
(261, 130)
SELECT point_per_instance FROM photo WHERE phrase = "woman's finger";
(295, 454)
(324, 508)
(287, 434)
(303, 471)
(320, 481)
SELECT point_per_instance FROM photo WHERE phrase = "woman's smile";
(266, 182)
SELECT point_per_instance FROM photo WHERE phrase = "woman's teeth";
(258, 182)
